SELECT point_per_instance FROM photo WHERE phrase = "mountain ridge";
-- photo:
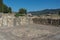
(46, 11)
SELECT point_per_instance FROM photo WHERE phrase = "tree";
(10, 10)
(5, 9)
(1, 3)
(22, 11)
(25, 11)
(59, 12)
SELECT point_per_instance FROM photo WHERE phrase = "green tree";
(10, 10)
(22, 11)
(1, 3)
(5, 9)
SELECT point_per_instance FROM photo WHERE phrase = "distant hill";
(46, 11)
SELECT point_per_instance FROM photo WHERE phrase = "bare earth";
(30, 32)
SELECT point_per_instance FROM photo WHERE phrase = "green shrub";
(17, 15)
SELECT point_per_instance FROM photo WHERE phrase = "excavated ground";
(30, 32)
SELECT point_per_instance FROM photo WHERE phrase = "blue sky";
(32, 5)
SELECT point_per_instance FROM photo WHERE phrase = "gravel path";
(30, 32)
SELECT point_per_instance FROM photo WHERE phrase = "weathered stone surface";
(23, 20)
(22, 28)
(5, 20)
(30, 32)
(0, 22)
(48, 21)
(9, 20)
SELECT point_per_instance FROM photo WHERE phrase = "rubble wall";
(10, 20)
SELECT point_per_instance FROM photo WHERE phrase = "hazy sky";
(32, 5)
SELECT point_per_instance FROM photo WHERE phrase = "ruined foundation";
(47, 21)
(9, 20)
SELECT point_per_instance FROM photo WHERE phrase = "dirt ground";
(30, 32)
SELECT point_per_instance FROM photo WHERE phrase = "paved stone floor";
(30, 32)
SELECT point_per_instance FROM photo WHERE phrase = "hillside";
(46, 11)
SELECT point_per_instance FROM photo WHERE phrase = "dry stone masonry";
(47, 21)
(9, 20)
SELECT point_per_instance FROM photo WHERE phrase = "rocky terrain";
(30, 32)
(23, 28)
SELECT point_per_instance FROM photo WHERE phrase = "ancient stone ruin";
(47, 21)
(9, 20)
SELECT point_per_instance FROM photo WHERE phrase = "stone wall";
(48, 21)
(9, 20)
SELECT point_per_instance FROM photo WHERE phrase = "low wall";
(10, 20)
(46, 21)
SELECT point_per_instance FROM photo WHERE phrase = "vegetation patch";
(17, 15)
